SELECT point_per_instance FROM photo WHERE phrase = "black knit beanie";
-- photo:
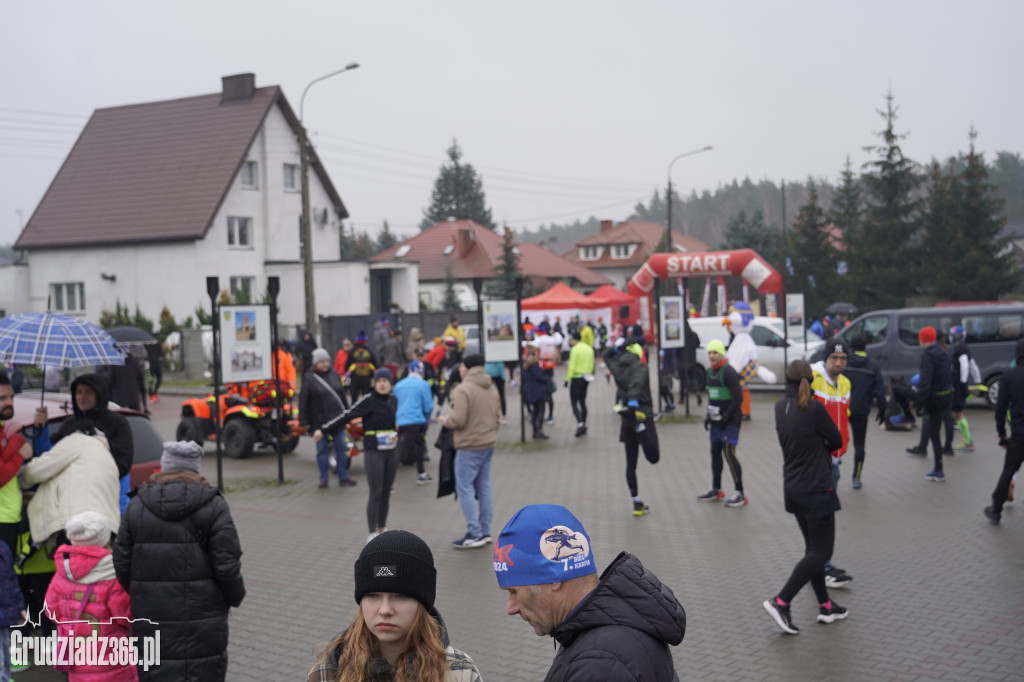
(400, 562)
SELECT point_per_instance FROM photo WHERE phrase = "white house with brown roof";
(155, 197)
(469, 250)
(618, 251)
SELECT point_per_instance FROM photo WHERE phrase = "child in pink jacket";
(84, 596)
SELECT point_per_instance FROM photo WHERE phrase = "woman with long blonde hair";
(397, 635)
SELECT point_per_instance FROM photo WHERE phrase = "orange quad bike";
(248, 417)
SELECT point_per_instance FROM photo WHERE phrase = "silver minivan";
(992, 332)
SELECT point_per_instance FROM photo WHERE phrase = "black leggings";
(499, 382)
(578, 399)
(1011, 464)
(538, 416)
(633, 441)
(819, 538)
(718, 449)
(859, 427)
(936, 409)
(381, 467)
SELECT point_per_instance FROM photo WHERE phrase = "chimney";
(464, 238)
(606, 226)
(241, 86)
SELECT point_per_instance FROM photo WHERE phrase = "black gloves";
(880, 418)
(707, 423)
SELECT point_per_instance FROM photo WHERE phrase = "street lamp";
(307, 232)
(668, 227)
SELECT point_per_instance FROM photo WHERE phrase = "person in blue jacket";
(415, 401)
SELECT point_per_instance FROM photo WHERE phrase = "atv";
(248, 416)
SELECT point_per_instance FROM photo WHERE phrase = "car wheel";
(238, 438)
(291, 443)
(992, 395)
(189, 429)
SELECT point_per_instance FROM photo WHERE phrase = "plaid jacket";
(460, 669)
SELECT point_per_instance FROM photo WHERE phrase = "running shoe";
(469, 542)
(780, 614)
(857, 485)
(639, 509)
(713, 495)
(965, 447)
(918, 450)
(423, 479)
(937, 476)
(830, 614)
(737, 500)
(992, 517)
(837, 578)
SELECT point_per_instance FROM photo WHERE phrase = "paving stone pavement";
(937, 591)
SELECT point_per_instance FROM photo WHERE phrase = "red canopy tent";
(561, 297)
(615, 299)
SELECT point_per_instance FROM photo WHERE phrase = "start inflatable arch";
(745, 263)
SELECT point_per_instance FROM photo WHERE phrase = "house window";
(240, 233)
(622, 250)
(249, 179)
(291, 177)
(68, 297)
(242, 289)
(590, 252)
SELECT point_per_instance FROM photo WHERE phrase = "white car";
(472, 339)
(769, 336)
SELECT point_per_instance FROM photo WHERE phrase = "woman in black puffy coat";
(178, 556)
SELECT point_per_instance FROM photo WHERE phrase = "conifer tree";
(962, 228)
(503, 286)
(884, 259)
(458, 193)
(386, 239)
(813, 256)
(750, 232)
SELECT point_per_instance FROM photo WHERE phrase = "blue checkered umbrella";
(53, 339)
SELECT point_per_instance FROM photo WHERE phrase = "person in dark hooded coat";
(178, 557)
(90, 394)
(616, 628)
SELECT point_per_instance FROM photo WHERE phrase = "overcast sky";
(566, 108)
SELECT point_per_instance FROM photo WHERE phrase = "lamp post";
(668, 227)
(306, 229)
(686, 308)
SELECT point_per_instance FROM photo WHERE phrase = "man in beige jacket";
(474, 418)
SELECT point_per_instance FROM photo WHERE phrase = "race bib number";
(387, 440)
(714, 413)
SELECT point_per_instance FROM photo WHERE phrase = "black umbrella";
(127, 336)
(838, 308)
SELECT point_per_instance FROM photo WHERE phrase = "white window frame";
(290, 172)
(248, 176)
(620, 251)
(67, 297)
(236, 283)
(235, 235)
(590, 252)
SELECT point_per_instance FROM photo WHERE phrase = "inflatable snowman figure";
(742, 352)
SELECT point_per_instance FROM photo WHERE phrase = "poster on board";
(795, 320)
(501, 332)
(245, 343)
(671, 317)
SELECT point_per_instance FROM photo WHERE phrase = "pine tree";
(363, 248)
(963, 227)
(745, 232)
(345, 243)
(884, 258)
(386, 239)
(458, 193)
(503, 286)
(451, 299)
(813, 255)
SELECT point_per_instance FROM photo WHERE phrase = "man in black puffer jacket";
(934, 393)
(616, 629)
(178, 557)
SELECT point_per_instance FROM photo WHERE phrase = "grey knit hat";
(319, 355)
(183, 454)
